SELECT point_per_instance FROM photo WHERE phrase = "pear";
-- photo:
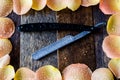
(48, 72)
(24, 73)
(77, 72)
(21, 7)
(87, 3)
(7, 73)
(39, 4)
(73, 4)
(4, 61)
(114, 66)
(7, 27)
(113, 25)
(110, 6)
(111, 46)
(5, 47)
(56, 5)
(102, 74)
(6, 7)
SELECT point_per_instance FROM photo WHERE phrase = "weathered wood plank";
(101, 59)
(87, 50)
(30, 42)
(82, 51)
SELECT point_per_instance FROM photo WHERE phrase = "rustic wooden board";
(101, 59)
(30, 42)
(81, 51)
(87, 50)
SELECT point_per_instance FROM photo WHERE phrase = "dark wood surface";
(15, 39)
(82, 51)
(87, 50)
(101, 59)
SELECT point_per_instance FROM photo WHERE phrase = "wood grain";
(30, 42)
(101, 59)
(87, 50)
(82, 51)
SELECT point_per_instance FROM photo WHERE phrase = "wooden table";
(87, 50)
